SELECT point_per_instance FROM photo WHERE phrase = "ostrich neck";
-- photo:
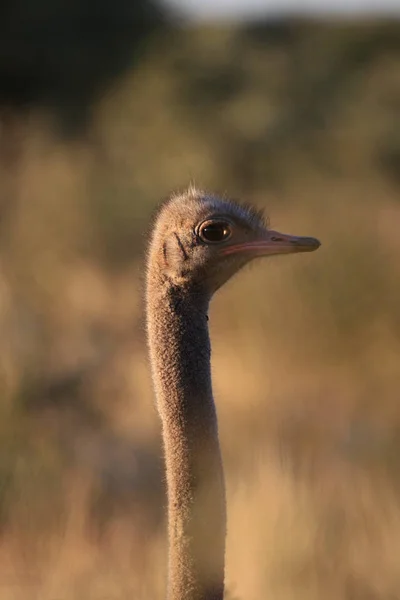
(180, 355)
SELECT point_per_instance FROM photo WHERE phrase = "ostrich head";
(201, 240)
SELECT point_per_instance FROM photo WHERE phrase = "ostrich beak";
(274, 242)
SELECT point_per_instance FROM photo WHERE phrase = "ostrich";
(198, 242)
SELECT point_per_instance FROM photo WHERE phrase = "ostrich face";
(203, 240)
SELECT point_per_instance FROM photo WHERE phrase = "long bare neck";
(180, 356)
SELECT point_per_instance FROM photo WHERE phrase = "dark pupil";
(215, 232)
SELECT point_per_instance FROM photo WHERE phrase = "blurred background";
(105, 107)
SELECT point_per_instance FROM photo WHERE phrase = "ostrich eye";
(215, 231)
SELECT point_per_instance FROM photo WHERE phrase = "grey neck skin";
(179, 347)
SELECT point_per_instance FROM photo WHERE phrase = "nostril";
(276, 239)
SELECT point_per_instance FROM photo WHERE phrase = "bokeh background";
(107, 106)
